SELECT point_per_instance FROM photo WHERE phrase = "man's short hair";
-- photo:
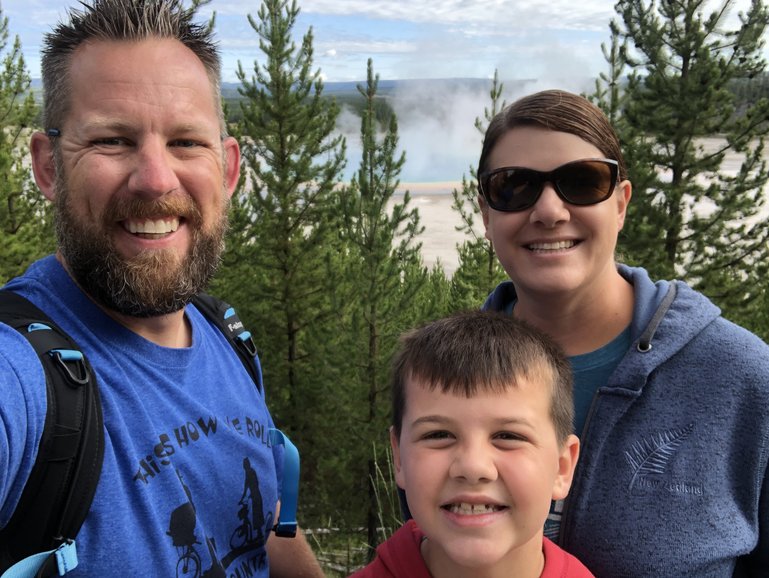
(120, 20)
(478, 351)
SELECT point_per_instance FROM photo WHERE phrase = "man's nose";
(154, 171)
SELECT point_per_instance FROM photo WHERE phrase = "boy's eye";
(437, 435)
(510, 436)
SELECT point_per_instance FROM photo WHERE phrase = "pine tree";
(383, 247)
(25, 217)
(281, 252)
(479, 270)
(690, 215)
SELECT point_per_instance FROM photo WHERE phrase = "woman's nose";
(550, 209)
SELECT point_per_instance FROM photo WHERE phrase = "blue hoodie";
(672, 476)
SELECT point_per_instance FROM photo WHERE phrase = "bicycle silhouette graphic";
(243, 534)
(182, 532)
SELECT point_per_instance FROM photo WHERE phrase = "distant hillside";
(387, 87)
(428, 95)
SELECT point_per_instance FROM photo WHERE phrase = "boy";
(482, 442)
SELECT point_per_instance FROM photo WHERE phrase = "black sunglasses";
(582, 182)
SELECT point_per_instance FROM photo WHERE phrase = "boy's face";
(480, 472)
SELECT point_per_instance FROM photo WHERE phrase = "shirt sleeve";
(22, 416)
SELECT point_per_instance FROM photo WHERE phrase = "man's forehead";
(111, 82)
(114, 58)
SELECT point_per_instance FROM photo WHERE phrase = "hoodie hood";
(663, 311)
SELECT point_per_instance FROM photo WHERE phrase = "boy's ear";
(396, 447)
(43, 166)
(567, 461)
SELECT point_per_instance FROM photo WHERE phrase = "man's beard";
(151, 283)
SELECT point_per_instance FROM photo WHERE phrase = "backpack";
(40, 536)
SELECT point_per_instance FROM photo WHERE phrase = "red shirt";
(399, 557)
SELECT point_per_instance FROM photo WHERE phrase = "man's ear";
(567, 461)
(396, 447)
(43, 165)
(231, 164)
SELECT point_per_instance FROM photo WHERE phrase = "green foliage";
(282, 259)
(25, 217)
(677, 118)
(379, 234)
(479, 270)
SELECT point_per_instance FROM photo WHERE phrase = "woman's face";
(554, 247)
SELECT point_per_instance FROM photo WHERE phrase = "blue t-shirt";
(189, 479)
(591, 371)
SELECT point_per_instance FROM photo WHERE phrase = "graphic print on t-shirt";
(247, 538)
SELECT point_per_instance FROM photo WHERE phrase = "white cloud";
(406, 38)
(484, 14)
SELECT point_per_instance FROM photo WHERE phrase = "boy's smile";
(479, 474)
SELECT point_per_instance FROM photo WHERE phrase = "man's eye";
(185, 143)
(109, 141)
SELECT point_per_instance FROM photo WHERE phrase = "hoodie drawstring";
(645, 342)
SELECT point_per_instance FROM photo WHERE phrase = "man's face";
(142, 176)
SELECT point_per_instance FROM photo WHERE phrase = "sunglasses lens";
(586, 182)
(512, 189)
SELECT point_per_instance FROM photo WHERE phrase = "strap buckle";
(73, 364)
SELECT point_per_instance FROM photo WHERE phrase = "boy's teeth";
(158, 227)
(470, 509)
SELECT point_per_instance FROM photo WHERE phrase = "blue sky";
(555, 42)
(405, 38)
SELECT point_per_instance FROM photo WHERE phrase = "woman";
(671, 399)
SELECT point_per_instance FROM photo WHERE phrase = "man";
(136, 159)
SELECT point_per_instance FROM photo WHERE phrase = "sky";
(405, 38)
(551, 43)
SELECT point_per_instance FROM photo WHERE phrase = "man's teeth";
(552, 246)
(159, 227)
(470, 509)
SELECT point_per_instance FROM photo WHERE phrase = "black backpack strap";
(63, 481)
(224, 317)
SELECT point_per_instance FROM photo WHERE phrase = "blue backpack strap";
(63, 480)
(52, 563)
(289, 489)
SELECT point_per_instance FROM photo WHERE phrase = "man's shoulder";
(18, 359)
(22, 415)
